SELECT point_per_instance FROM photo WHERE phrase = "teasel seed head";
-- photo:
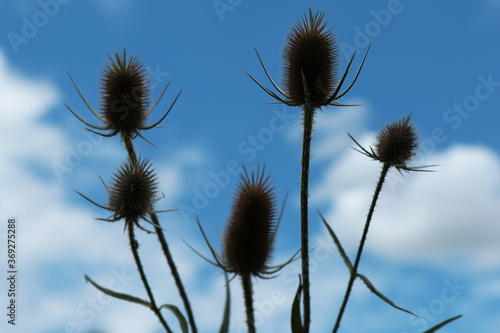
(124, 94)
(397, 143)
(310, 53)
(133, 191)
(250, 232)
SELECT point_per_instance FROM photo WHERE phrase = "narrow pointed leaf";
(337, 243)
(121, 296)
(296, 320)
(380, 295)
(180, 317)
(224, 327)
(435, 328)
(362, 277)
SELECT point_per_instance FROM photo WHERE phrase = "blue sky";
(434, 244)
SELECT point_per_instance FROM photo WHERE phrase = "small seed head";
(124, 94)
(249, 234)
(310, 52)
(133, 191)
(396, 144)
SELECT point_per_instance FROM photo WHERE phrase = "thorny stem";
(173, 269)
(134, 245)
(129, 146)
(304, 193)
(248, 295)
(354, 271)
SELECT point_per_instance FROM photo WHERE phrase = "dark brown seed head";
(311, 52)
(396, 144)
(133, 191)
(124, 94)
(249, 234)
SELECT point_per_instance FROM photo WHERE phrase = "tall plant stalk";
(378, 189)
(248, 296)
(134, 245)
(175, 273)
(308, 119)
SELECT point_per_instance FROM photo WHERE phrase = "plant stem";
(248, 295)
(173, 269)
(129, 146)
(378, 189)
(134, 246)
(304, 194)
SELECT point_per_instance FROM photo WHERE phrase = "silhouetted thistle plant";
(131, 197)
(125, 92)
(395, 146)
(249, 236)
(310, 76)
(311, 80)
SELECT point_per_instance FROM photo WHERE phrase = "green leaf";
(224, 327)
(380, 295)
(124, 297)
(337, 243)
(350, 267)
(296, 320)
(435, 328)
(180, 317)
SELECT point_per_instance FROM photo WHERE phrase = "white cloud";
(448, 215)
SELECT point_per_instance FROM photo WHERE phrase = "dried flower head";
(310, 66)
(250, 232)
(397, 143)
(133, 191)
(124, 94)
(310, 60)
(251, 229)
(125, 90)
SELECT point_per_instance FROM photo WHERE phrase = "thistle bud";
(249, 234)
(124, 94)
(310, 53)
(133, 190)
(396, 144)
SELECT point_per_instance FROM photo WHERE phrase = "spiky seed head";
(397, 143)
(133, 190)
(124, 94)
(249, 233)
(311, 52)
